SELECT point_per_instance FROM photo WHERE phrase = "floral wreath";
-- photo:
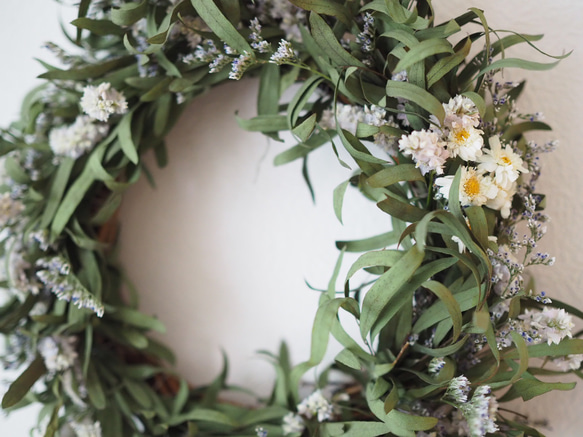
(448, 325)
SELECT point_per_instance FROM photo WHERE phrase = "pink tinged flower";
(427, 150)
(102, 101)
(503, 162)
(461, 112)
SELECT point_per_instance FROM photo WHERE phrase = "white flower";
(316, 405)
(99, 102)
(58, 352)
(435, 365)
(503, 200)
(240, 65)
(348, 117)
(427, 150)
(465, 142)
(551, 324)
(461, 112)
(458, 389)
(475, 188)
(292, 423)
(10, 209)
(570, 362)
(87, 429)
(504, 163)
(77, 138)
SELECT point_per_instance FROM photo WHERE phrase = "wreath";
(448, 324)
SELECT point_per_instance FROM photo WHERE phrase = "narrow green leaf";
(452, 305)
(518, 63)
(401, 210)
(125, 138)
(386, 286)
(135, 318)
(220, 25)
(305, 128)
(348, 359)
(522, 355)
(371, 243)
(98, 27)
(21, 385)
(393, 174)
(73, 198)
(325, 7)
(89, 72)
(338, 199)
(417, 95)
(128, 13)
(423, 50)
(94, 388)
(447, 64)
(325, 38)
(57, 190)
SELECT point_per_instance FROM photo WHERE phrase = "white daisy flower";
(465, 142)
(99, 102)
(426, 149)
(475, 188)
(503, 162)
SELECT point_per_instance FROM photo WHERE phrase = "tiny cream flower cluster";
(87, 428)
(10, 209)
(58, 352)
(102, 101)
(314, 406)
(349, 116)
(77, 138)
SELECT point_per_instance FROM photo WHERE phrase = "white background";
(220, 250)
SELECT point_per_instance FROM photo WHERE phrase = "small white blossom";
(292, 423)
(570, 362)
(480, 412)
(427, 150)
(285, 54)
(503, 200)
(401, 76)
(460, 112)
(87, 429)
(316, 405)
(77, 138)
(348, 117)
(99, 102)
(57, 352)
(435, 365)
(458, 389)
(240, 65)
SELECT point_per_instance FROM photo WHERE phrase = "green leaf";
(518, 63)
(90, 71)
(417, 95)
(401, 210)
(326, 7)
(305, 128)
(94, 388)
(125, 138)
(452, 305)
(135, 318)
(221, 26)
(348, 359)
(21, 385)
(128, 13)
(423, 50)
(528, 388)
(339, 192)
(57, 190)
(522, 355)
(325, 38)
(98, 27)
(447, 64)
(392, 175)
(263, 123)
(371, 243)
(386, 286)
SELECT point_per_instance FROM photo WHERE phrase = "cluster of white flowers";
(56, 277)
(77, 138)
(283, 14)
(102, 101)
(435, 365)
(58, 352)
(315, 405)
(550, 325)
(458, 389)
(285, 54)
(257, 41)
(478, 416)
(349, 116)
(366, 37)
(87, 428)
(426, 148)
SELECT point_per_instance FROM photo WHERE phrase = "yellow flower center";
(506, 160)
(461, 136)
(472, 187)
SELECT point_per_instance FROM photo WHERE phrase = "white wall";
(206, 248)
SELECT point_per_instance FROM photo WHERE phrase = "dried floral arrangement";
(451, 327)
